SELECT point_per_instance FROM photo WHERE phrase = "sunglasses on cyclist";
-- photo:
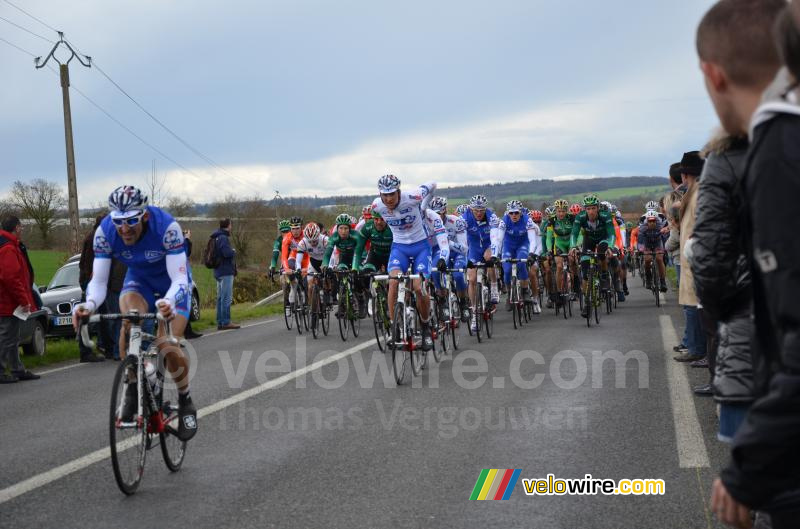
(130, 221)
(514, 212)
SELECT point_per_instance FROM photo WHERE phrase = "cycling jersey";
(406, 220)
(289, 250)
(617, 234)
(315, 251)
(649, 240)
(437, 235)
(514, 235)
(347, 249)
(634, 238)
(456, 230)
(559, 234)
(592, 232)
(156, 262)
(380, 241)
(480, 234)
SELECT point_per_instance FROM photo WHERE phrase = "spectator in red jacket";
(15, 291)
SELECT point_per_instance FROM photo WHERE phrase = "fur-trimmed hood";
(721, 142)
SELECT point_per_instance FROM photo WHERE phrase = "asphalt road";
(339, 445)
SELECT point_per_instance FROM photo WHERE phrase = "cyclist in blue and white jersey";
(456, 230)
(404, 213)
(150, 243)
(482, 224)
(519, 238)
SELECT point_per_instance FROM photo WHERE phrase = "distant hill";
(532, 190)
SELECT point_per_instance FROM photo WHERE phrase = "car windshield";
(66, 276)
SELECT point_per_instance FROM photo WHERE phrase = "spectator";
(675, 178)
(224, 274)
(722, 279)
(84, 276)
(738, 59)
(691, 167)
(187, 243)
(15, 291)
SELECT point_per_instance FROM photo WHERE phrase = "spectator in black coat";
(738, 59)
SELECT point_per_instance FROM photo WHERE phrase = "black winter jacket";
(720, 268)
(766, 450)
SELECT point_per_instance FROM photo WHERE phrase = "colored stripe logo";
(495, 484)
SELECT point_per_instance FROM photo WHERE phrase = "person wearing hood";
(738, 59)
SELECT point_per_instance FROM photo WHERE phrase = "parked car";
(64, 292)
(32, 332)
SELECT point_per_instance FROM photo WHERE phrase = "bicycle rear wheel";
(419, 358)
(129, 442)
(478, 313)
(379, 323)
(173, 449)
(401, 361)
(288, 314)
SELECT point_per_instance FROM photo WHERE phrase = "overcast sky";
(323, 97)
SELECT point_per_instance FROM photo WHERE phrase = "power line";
(17, 47)
(45, 24)
(27, 30)
(110, 116)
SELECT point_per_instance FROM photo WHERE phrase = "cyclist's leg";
(559, 276)
(398, 263)
(492, 274)
(422, 266)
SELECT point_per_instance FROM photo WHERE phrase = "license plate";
(63, 320)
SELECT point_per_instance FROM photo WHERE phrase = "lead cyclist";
(150, 243)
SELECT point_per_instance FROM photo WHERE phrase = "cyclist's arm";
(285, 245)
(101, 267)
(276, 252)
(497, 238)
(423, 194)
(574, 240)
(460, 245)
(332, 240)
(534, 238)
(175, 261)
(610, 235)
(440, 232)
(360, 242)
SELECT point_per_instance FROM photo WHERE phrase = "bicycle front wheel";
(400, 356)
(379, 322)
(128, 440)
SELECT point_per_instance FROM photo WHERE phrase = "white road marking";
(39, 480)
(231, 330)
(692, 451)
(60, 369)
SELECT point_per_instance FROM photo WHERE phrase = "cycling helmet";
(366, 212)
(388, 183)
(126, 201)
(284, 226)
(514, 206)
(651, 214)
(353, 220)
(311, 231)
(376, 214)
(342, 218)
(605, 205)
(438, 204)
(536, 215)
(575, 209)
(561, 203)
(590, 200)
(549, 211)
(629, 225)
(651, 205)
(461, 209)
(613, 209)
(478, 202)
(296, 222)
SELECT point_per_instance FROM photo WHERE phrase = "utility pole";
(275, 199)
(72, 185)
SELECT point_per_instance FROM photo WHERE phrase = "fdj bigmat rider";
(150, 242)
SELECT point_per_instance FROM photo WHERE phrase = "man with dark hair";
(675, 178)
(224, 274)
(739, 61)
(16, 276)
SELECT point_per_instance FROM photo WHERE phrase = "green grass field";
(45, 263)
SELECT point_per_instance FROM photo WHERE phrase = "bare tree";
(247, 215)
(40, 201)
(155, 186)
(180, 207)
(7, 208)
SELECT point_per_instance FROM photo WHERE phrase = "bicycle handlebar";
(134, 317)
